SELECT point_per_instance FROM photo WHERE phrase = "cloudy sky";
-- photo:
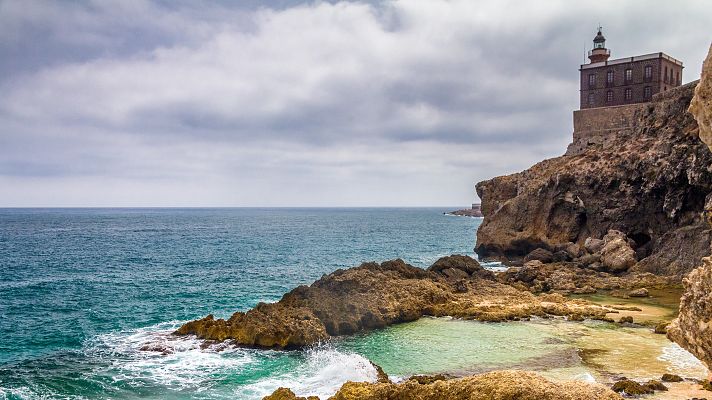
(287, 103)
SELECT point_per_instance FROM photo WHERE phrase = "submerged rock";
(498, 385)
(374, 296)
(626, 320)
(671, 378)
(640, 292)
(656, 386)
(661, 328)
(631, 388)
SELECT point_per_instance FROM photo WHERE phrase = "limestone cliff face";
(701, 105)
(649, 181)
(693, 328)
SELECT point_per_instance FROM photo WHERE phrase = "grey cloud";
(259, 94)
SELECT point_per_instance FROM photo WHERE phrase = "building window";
(648, 73)
(628, 94)
(647, 92)
(591, 99)
(677, 78)
(666, 76)
(628, 75)
(609, 96)
(609, 78)
(592, 80)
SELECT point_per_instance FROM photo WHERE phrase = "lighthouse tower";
(599, 53)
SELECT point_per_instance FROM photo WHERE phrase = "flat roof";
(650, 56)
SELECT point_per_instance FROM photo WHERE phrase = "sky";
(122, 103)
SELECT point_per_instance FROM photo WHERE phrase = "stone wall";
(596, 127)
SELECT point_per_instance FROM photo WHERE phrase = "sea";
(89, 298)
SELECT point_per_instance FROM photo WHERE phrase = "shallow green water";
(432, 345)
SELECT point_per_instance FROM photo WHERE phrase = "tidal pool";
(590, 350)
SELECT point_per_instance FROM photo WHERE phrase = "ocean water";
(86, 295)
(82, 289)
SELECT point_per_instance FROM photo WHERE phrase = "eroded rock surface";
(498, 385)
(652, 187)
(578, 278)
(693, 327)
(701, 104)
(375, 295)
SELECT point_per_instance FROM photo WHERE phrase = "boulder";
(466, 264)
(574, 250)
(656, 385)
(671, 378)
(661, 329)
(593, 245)
(631, 388)
(561, 256)
(589, 259)
(539, 254)
(640, 292)
(626, 320)
(617, 255)
(286, 394)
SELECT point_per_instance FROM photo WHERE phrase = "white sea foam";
(154, 356)
(324, 371)
(494, 266)
(681, 362)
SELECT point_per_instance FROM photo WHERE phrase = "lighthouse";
(599, 53)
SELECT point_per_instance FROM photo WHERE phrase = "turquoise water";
(81, 290)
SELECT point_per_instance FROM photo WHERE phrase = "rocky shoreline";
(498, 385)
(474, 212)
(373, 296)
(624, 222)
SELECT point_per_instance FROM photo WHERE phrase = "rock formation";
(498, 385)
(377, 295)
(701, 104)
(693, 327)
(650, 183)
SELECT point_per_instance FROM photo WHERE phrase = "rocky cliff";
(649, 181)
(701, 105)
(693, 328)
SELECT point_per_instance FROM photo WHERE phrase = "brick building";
(606, 83)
